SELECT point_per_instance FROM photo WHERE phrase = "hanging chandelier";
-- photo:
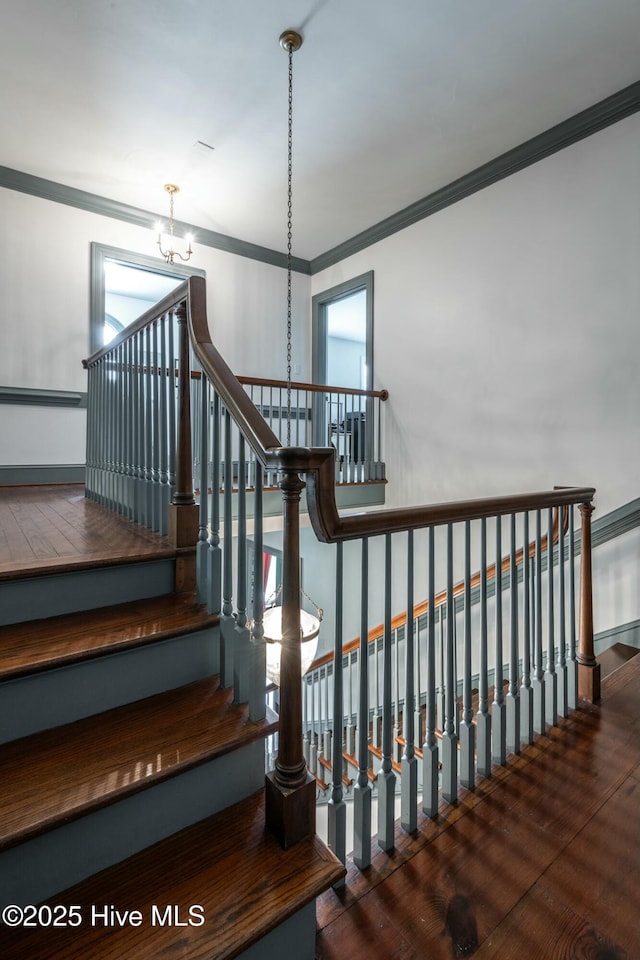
(170, 253)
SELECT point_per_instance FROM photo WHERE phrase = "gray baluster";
(326, 740)
(561, 670)
(376, 687)
(137, 430)
(202, 549)
(164, 385)
(351, 730)
(173, 414)
(386, 777)
(131, 414)
(337, 810)
(227, 622)
(148, 423)
(257, 650)
(241, 641)
(305, 720)
(409, 776)
(449, 738)
(155, 406)
(397, 729)
(119, 427)
(467, 727)
(417, 714)
(526, 693)
(214, 558)
(430, 746)
(538, 681)
(572, 665)
(498, 710)
(313, 745)
(551, 679)
(362, 791)
(483, 719)
(104, 430)
(513, 694)
(441, 670)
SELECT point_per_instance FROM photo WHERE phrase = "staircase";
(131, 797)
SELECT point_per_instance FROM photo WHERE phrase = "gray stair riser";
(55, 697)
(44, 866)
(294, 938)
(56, 594)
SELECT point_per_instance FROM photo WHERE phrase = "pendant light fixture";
(170, 253)
(290, 41)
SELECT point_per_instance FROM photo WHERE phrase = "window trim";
(101, 252)
(319, 303)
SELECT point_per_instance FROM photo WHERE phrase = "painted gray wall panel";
(43, 473)
(628, 633)
(43, 398)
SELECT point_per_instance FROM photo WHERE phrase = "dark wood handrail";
(312, 387)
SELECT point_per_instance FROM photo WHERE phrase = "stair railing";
(315, 748)
(428, 727)
(139, 424)
(127, 457)
(347, 419)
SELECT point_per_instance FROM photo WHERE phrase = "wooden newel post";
(290, 795)
(183, 510)
(588, 666)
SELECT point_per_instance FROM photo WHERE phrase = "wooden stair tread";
(36, 645)
(353, 761)
(615, 657)
(378, 753)
(402, 743)
(327, 765)
(228, 864)
(63, 773)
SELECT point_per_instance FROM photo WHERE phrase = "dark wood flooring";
(53, 527)
(541, 862)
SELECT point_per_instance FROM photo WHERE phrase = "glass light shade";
(272, 624)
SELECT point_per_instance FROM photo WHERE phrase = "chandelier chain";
(289, 235)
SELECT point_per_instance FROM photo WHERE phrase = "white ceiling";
(392, 100)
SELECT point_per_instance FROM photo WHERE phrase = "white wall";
(506, 328)
(44, 278)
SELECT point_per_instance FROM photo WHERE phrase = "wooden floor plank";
(60, 774)
(610, 899)
(542, 927)
(53, 528)
(522, 869)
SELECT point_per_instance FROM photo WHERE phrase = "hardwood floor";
(54, 527)
(541, 862)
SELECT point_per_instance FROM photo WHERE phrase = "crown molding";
(619, 105)
(92, 203)
(582, 125)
